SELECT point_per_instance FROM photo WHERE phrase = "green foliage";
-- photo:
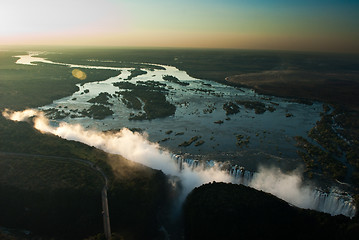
(21, 137)
(102, 98)
(54, 113)
(336, 132)
(156, 105)
(135, 73)
(189, 142)
(230, 108)
(71, 191)
(137, 195)
(205, 64)
(131, 100)
(98, 112)
(318, 160)
(24, 86)
(324, 134)
(41, 173)
(50, 197)
(349, 123)
(152, 94)
(199, 143)
(174, 80)
(258, 107)
(125, 85)
(241, 141)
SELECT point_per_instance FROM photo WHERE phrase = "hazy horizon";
(320, 26)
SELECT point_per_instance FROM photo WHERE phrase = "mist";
(131, 145)
(136, 147)
(288, 187)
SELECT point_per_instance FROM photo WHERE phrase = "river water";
(198, 106)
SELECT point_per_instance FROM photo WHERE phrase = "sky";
(305, 25)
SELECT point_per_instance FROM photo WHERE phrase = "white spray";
(130, 145)
(137, 148)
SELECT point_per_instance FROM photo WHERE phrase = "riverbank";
(331, 87)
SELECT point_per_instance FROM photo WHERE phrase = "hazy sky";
(319, 25)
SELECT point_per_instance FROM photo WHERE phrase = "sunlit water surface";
(198, 106)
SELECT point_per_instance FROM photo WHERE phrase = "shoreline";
(333, 88)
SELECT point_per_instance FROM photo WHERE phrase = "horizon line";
(12, 46)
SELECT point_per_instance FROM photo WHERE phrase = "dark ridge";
(230, 211)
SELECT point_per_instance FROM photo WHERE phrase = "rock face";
(229, 211)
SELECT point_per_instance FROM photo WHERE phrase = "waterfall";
(242, 176)
(333, 201)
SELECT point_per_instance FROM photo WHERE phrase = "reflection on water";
(265, 138)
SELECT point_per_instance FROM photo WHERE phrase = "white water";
(288, 187)
(136, 147)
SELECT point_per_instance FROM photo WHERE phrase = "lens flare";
(77, 73)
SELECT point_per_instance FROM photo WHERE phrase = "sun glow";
(256, 24)
(77, 73)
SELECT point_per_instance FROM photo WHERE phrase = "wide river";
(198, 106)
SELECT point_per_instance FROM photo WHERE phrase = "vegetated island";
(173, 79)
(189, 142)
(152, 94)
(242, 141)
(258, 107)
(98, 111)
(102, 98)
(135, 73)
